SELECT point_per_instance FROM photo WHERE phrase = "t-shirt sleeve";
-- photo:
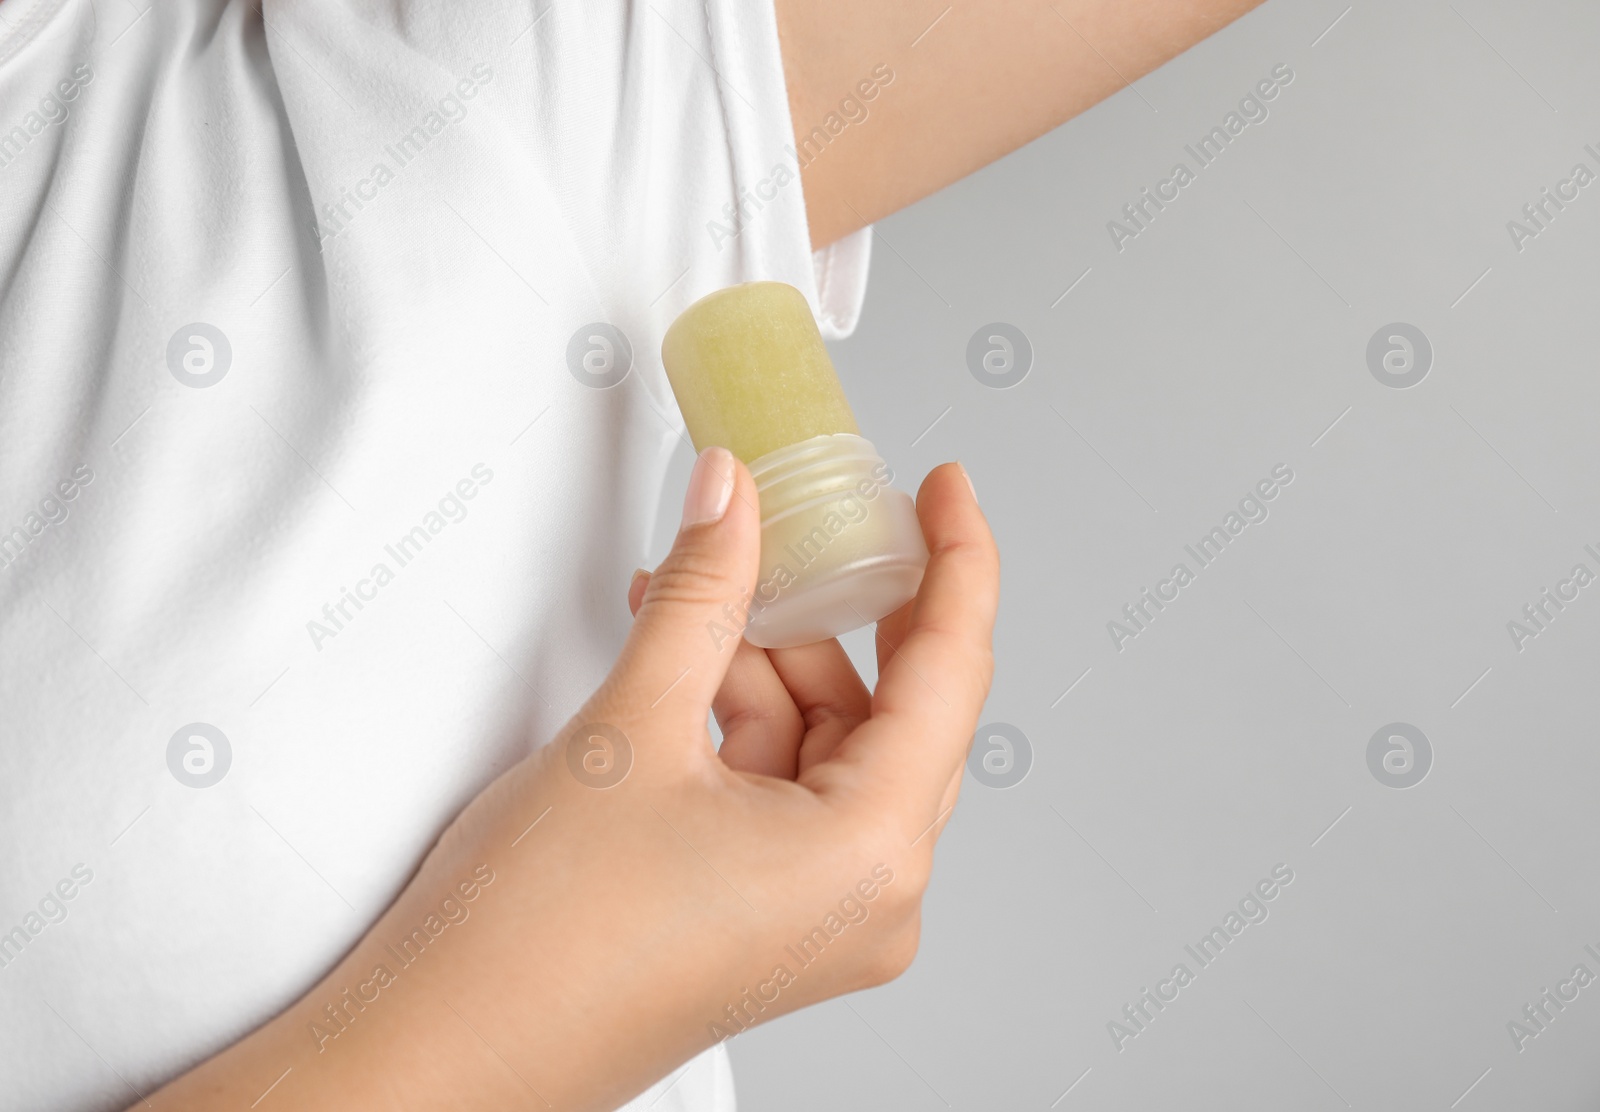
(841, 270)
(743, 41)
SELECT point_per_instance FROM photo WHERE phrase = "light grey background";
(1231, 735)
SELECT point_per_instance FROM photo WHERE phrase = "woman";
(329, 414)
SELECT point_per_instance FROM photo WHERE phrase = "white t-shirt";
(314, 514)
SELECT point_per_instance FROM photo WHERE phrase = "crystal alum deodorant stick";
(840, 547)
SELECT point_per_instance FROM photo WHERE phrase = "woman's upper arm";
(893, 101)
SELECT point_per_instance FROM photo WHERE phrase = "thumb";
(694, 608)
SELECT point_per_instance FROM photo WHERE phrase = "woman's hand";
(626, 896)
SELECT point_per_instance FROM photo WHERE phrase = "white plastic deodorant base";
(840, 547)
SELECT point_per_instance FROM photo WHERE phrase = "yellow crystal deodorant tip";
(840, 546)
(750, 371)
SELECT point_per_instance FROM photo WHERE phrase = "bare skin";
(968, 86)
(581, 942)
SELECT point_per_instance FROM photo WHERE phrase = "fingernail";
(638, 574)
(967, 477)
(710, 488)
